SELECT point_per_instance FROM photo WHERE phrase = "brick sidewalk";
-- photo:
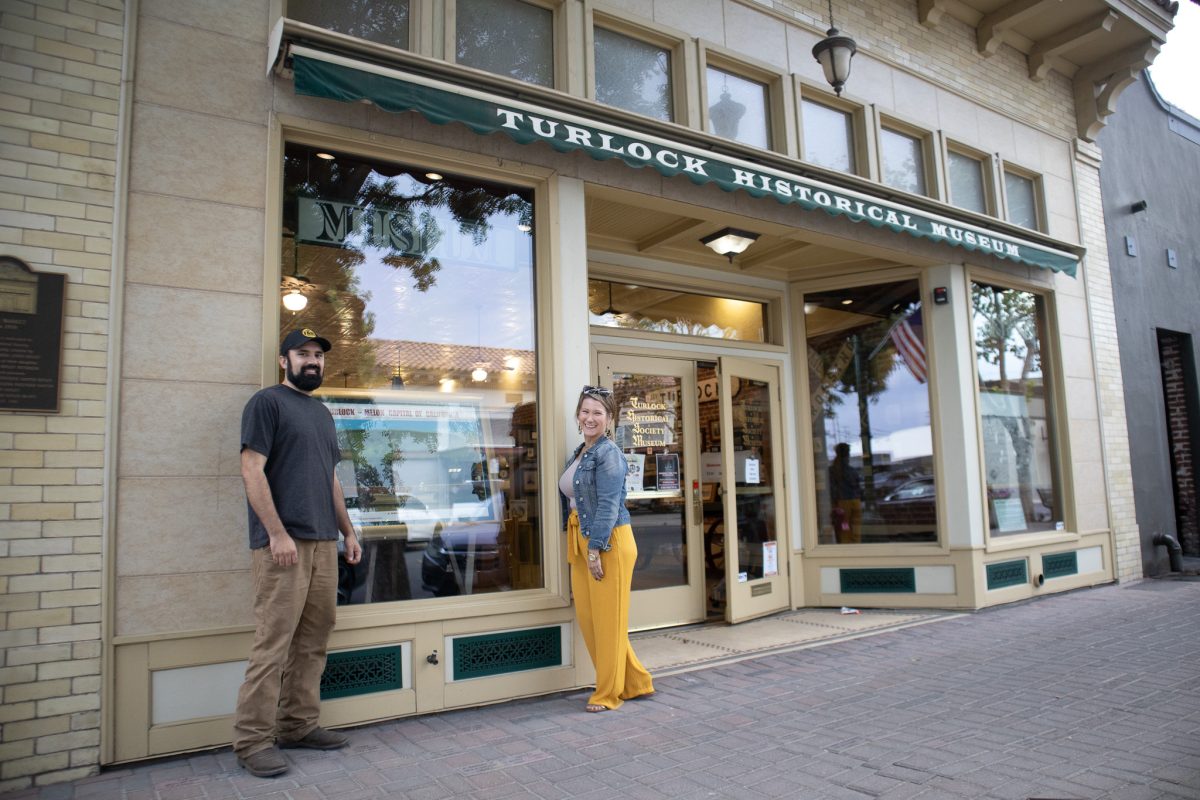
(1091, 694)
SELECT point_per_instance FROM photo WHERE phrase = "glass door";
(655, 428)
(752, 490)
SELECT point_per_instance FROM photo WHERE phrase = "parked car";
(912, 503)
(466, 558)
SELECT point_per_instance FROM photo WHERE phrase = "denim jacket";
(599, 492)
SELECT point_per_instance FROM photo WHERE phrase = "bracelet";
(593, 556)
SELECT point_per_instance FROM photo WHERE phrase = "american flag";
(907, 336)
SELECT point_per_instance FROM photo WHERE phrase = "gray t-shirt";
(296, 434)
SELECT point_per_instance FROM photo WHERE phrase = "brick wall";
(61, 71)
(1172, 352)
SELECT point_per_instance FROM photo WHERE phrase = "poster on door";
(667, 466)
(635, 475)
(770, 559)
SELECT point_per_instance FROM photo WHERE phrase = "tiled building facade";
(161, 155)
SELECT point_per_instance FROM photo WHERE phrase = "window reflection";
(828, 136)
(506, 37)
(903, 161)
(424, 284)
(382, 21)
(872, 440)
(1016, 417)
(737, 108)
(1022, 200)
(966, 182)
(633, 75)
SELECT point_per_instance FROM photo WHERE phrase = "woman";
(601, 552)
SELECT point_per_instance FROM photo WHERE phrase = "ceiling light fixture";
(326, 156)
(295, 300)
(729, 242)
(433, 176)
(834, 53)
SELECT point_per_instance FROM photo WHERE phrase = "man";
(296, 509)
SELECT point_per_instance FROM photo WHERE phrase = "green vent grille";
(1060, 564)
(509, 651)
(356, 672)
(1007, 573)
(877, 581)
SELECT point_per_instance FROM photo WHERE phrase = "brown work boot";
(318, 739)
(265, 763)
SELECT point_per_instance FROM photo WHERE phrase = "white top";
(566, 483)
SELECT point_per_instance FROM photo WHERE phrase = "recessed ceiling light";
(433, 176)
(326, 156)
(847, 302)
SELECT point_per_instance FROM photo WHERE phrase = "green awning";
(321, 74)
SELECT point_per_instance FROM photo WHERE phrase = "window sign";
(635, 476)
(667, 465)
(770, 559)
(31, 334)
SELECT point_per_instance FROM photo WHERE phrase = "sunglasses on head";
(597, 390)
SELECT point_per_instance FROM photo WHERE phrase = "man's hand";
(283, 551)
(353, 551)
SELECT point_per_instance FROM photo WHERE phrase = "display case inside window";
(507, 37)
(423, 282)
(1016, 410)
(382, 21)
(871, 426)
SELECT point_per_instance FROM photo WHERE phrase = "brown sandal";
(595, 708)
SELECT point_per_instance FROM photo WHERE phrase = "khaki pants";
(294, 610)
(602, 610)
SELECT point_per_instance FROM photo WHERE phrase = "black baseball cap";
(300, 337)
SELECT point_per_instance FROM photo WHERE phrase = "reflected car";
(384, 515)
(465, 559)
(912, 503)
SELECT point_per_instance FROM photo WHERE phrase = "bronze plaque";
(31, 334)
(760, 589)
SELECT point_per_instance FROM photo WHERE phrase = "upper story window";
(828, 136)
(903, 159)
(507, 37)
(1021, 195)
(968, 188)
(738, 108)
(633, 74)
(382, 21)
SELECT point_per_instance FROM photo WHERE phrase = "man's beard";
(306, 381)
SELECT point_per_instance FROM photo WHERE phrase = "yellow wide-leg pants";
(602, 610)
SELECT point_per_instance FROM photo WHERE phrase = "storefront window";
(506, 37)
(645, 308)
(737, 108)
(828, 136)
(872, 440)
(382, 21)
(966, 182)
(1015, 412)
(633, 75)
(424, 285)
(903, 161)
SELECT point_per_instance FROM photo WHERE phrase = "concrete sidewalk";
(1091, 694)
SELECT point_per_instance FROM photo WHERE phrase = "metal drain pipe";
(1174, 551)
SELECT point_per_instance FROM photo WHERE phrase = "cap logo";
(309, 332)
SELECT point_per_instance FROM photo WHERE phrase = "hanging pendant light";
(611, 309)
(834, 53)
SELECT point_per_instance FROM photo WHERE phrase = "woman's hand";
(594, 565)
